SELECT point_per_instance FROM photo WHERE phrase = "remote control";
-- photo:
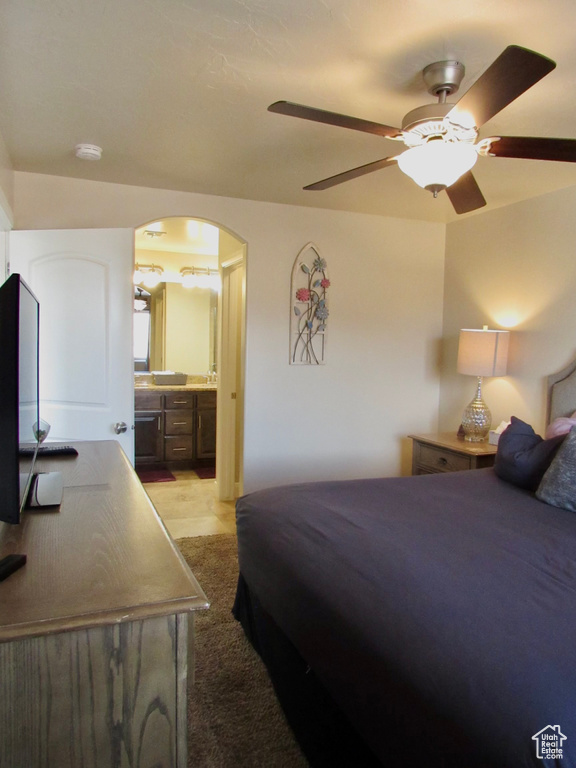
(49, 450)
(9, 564)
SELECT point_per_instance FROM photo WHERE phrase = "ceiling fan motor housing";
(443, 77)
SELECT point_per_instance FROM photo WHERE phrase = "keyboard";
(49, 450)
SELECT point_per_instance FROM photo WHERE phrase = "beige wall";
(349, 417)
(6, 200)
(390, 361)
(512, 268)
(6, 188)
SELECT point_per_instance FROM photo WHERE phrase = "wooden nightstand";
(444, 452)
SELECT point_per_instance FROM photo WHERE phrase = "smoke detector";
(88, 152)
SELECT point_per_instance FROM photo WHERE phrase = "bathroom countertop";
(176, 387)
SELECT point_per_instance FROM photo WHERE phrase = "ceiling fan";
(442, 139)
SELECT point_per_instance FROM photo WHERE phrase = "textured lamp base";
(477, 419)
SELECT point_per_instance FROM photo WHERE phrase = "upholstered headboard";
(562, 393)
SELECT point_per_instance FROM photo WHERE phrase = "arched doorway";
(180, 246)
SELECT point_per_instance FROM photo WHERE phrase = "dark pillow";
(523, 456)
(558, 486)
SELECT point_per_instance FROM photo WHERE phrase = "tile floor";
(189, 507)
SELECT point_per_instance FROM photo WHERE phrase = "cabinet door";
(148, 437)
(206, 433)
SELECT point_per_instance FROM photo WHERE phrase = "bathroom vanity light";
(147, 274)
(200, 277)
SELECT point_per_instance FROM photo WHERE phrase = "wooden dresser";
(445, 452)
(96, 630)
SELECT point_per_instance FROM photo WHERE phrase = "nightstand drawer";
(445, 452)
(440, 460)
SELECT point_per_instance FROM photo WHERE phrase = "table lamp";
(481, 353)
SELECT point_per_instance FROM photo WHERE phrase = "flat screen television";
(19, 394)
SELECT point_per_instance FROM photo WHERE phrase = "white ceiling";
(176, 92)
(180, 234)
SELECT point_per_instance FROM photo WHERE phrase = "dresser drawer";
(434, 459)
(179, 400)
(178, 422)
(178, 448)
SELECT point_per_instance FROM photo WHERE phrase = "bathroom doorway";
(189, 318)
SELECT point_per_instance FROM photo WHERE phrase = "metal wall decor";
(308, 308)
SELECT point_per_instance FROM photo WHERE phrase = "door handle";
(120, 427)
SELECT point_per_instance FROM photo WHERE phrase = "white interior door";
(83, 281)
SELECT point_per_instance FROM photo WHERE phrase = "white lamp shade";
(437, 163)
(483, 352)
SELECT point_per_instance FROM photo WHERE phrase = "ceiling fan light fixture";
(437, 164)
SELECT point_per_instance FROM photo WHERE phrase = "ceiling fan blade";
(333, 118)
(510, 75)
(354, 173)
(530, 148)
(465, 194)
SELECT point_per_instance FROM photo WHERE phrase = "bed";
(423, 621)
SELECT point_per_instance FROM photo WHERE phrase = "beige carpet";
(235, 720)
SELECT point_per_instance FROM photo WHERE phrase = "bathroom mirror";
(176, 264)
(175, 328)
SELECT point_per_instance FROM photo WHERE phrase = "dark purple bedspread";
(439, 611)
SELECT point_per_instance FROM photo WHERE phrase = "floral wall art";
(309, 308)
